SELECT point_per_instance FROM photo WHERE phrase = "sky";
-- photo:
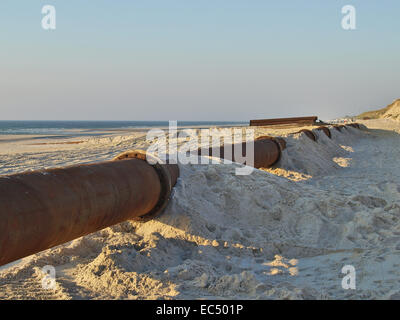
(196, 60)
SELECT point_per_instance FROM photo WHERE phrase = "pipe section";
(339, 127)
(43, 209)
(354, 125)
(301, 121)
(308, 133)
(326, 131)
(266, 152)
(279, 140)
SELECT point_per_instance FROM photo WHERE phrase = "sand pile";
(262, 236)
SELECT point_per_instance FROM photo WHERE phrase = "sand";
(391, 112)
(280, 233)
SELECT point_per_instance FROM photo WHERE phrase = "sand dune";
(279, 233)
(392, 112)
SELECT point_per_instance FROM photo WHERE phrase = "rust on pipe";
(43, 209)
(279, 121)
(309, 134)
(338, 127)
(279, 140)
(267, 152)
(326, 131)
(167, 173)
(354, 125)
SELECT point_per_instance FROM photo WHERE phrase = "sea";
(81, 128)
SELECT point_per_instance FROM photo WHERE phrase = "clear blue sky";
(196, 59)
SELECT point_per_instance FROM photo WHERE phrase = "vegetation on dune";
(392, 111)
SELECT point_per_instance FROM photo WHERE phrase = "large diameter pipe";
(280, 121)
(279, 140)
(339, 127)
(267, 152)
(354, 125)
(309, 134)
(43, 209)
(326, 131)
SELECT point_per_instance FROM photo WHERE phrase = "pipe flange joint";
(163, 174)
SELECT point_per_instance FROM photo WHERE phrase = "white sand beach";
(280, 233)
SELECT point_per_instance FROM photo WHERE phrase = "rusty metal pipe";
(283, 121)
(308, 133)
(267, 152)
(338, 127)
(326, 131)
(354, 125)
(43, 209)
(279, 140)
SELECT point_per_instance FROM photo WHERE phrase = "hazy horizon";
(196, 61)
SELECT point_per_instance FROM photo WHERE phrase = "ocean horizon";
(83, 127)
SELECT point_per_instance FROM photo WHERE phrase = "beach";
(280, 233)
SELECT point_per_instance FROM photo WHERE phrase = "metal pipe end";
(167, 173)
(309, 134)
(354, 125)
(281, 142)
(326, 131)
(338, 127)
